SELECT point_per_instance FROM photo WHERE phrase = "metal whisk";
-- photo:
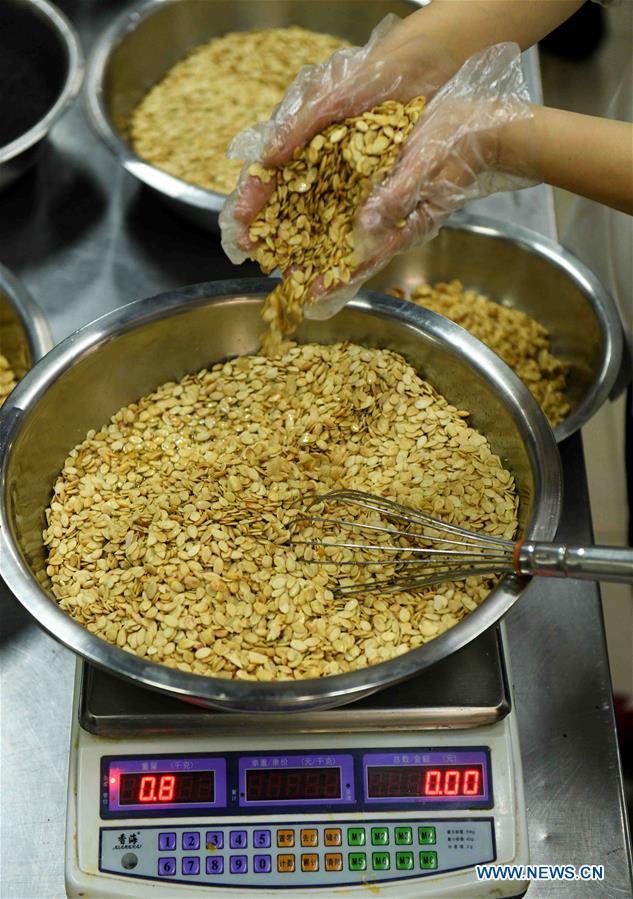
(422, 550)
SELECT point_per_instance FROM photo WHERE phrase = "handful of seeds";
(306, 228)
(8, 379)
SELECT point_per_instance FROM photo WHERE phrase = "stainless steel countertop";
(86, 239)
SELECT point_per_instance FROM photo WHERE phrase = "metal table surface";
(86, 238)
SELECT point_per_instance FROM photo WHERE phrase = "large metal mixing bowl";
(526, 271)
(40, 31)
(136, 51)
(127, 353)
(24, 333)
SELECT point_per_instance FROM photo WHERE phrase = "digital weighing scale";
(399, 794)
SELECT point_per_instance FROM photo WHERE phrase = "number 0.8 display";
(162, 788)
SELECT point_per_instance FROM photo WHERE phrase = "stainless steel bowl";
(525, 270)
(24, 333)
(136, 51)
(41, 30)
(127, 353)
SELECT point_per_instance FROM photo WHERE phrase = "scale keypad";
(312, 853)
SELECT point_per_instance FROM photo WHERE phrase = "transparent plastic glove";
(392, 65)
(452, 156)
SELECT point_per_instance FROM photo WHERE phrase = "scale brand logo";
(128, 841)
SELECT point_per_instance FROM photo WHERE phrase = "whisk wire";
(451, 553)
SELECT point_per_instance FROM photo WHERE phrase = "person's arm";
(589, 156)
(465, 26)
(417, 56)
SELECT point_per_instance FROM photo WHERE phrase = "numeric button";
(191, 865)
(238, 864)
(190, 840)
(261, 839)
(166, 842)
(166, 867)
(214, 839)
(262, 864)
(238, 839)
(215, 864)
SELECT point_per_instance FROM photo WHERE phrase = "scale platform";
(403, 792)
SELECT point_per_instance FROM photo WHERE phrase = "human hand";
(455, 154)
(397, 63)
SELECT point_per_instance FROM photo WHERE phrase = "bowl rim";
(277, 696)
(94, 103)
(170, 186)
(33, 321)
(69, 91)
(594, 291)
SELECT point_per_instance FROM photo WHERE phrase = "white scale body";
(232, 851)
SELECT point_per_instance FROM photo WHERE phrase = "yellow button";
(286, 838)
(285, 864)
(309, 838)
(333, 861)
(333, 836)
(310, 862)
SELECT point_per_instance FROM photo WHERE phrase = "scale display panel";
(241, 784)
(142, 787)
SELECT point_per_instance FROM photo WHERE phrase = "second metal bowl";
(138, 49)
(24, 333)
(526, 271)
(45, 35)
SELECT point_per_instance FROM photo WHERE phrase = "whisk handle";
(589, 563)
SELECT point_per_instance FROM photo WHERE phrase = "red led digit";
(415, 783)
(147, 789)
(433, 783)
(166, 788)
(472, 782)
(274, 780)
(312, 785)
(292, 785)
(451, 782)
(394, 782)
(332, 784)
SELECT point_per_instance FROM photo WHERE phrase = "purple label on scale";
(426, 777)
(166, 783)
(296, 779)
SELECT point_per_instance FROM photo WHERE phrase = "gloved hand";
(394, 64)
(452, 156)
(457, 152)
